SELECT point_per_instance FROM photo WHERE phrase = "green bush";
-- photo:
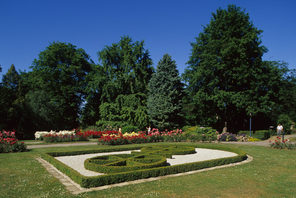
(115, 163)
(129, 128)
(286, 121)
(196, 133)
(9, 143)
(113, 178)
(244, 132)
(110, 125)
(262, 134)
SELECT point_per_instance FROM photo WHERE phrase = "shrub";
(129, 128)
(9, 143)
(116, 163)
(225, 136)
(261, 134)
(278, 143)
(244, 133)
(196, 133)
(286, 121)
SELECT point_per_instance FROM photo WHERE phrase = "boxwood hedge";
(113, 178)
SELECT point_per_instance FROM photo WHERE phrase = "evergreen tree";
(165, 95)
(11, 78)
(226, 77)
(9, 103)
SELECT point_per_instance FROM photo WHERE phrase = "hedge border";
(101, 180)
(106, 168)
(158, 152)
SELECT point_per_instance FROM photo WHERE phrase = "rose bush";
(9, 143)
(278, 143)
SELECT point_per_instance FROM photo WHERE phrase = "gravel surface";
(77, 162)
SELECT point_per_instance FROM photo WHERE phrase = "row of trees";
(226, 81)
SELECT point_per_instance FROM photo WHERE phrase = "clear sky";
(27, 27)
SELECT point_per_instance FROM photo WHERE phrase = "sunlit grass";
(272, 173)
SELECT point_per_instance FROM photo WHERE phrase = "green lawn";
(272, 173)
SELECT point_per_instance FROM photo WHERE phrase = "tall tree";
(127, 66)
(96, 80)
(165, 95)
(226, 77)
(11, 78)
(10, 111)
(127, 69)
(57, 85)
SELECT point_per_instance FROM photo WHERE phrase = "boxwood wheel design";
(149, 157)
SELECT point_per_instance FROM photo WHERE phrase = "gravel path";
(77, 162)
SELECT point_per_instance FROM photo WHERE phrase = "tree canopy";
(226, 81)
(118, 85)
(127, 67)
(226, 76)
(57, 85)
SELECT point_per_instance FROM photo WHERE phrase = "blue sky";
(166, 26)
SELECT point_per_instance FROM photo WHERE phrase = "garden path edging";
(75, 188)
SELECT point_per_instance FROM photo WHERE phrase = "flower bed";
(68, 136)
(9, 143)
(98, 134)
(39, 135)
(141, 137)
(49, 138)
(278, 143)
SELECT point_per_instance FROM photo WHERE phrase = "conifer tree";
(165, 95)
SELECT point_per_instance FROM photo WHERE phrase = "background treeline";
(226, 81)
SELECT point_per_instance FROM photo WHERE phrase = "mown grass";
(272, 173)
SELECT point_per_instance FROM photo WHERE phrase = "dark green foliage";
(11, 102)
(94, 90)
(11, 78)
(122, 85)
(125, 110)
(116, 163)
(261, 134)
(129, 128)
(226, 77)
(145, 173)
(57, 85)
(127, 66)
(165, 95)
(196, 133)
(286, 121)
(244, 132)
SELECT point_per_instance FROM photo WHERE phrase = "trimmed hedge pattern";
(116, 164)
(113, 178)
(149, 157)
